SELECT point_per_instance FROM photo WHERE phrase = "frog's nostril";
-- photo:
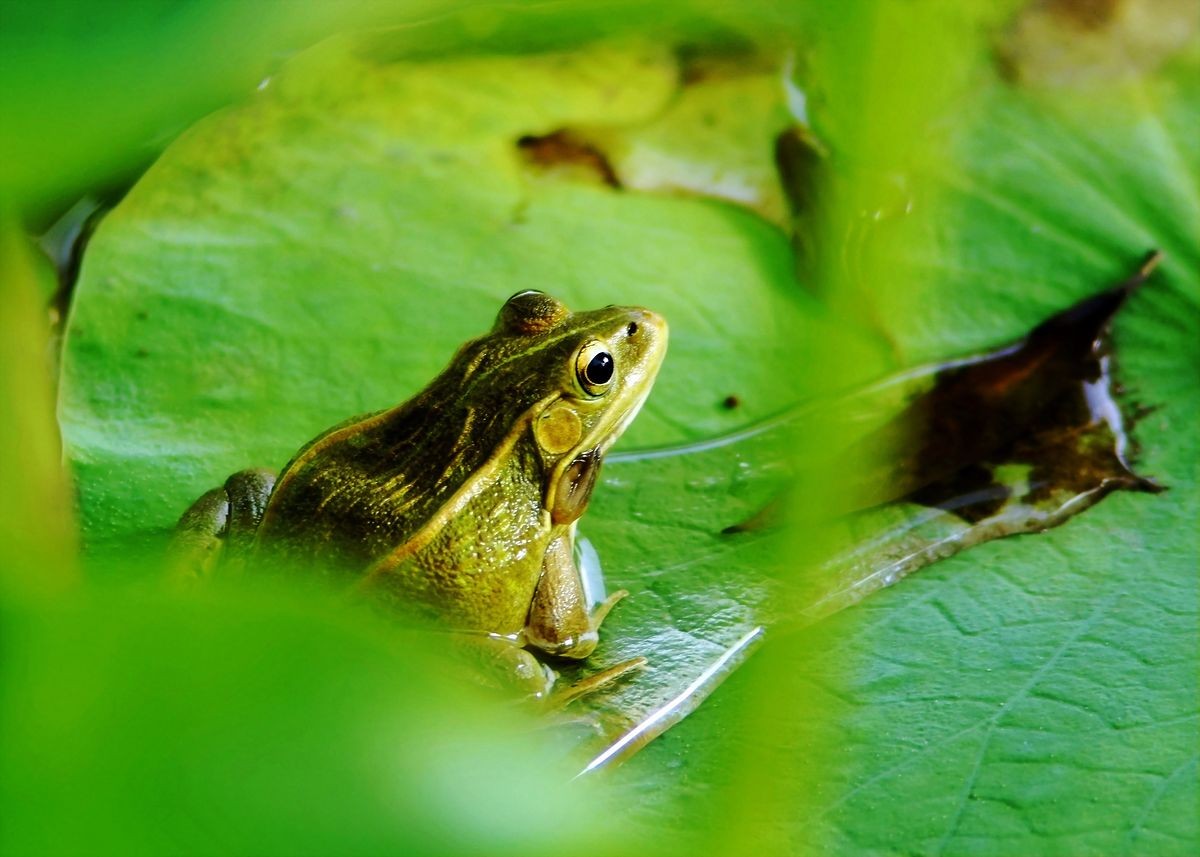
(631, 329)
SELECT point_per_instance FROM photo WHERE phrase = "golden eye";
(594, 367)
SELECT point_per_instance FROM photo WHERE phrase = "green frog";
(463, 501)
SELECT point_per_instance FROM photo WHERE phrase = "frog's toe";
(562, 695)
(599, 614)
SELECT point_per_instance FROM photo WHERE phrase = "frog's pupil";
(599, 369)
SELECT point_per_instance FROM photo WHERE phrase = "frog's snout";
(638, 339)
(647, 324)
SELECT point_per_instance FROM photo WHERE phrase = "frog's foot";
(196, 545)
(561, 695)
(502, 663)
(222, 519)
(575, 646)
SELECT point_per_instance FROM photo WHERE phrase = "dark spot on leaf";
(1044, 403)
(564, 151)
(1035, 423)
(1083, 14)
(972, 493)
(768, 517)
(731, 402)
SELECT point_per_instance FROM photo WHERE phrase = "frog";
(462, 502)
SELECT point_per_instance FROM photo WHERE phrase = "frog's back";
(384, 484)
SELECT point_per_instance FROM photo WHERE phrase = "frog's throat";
(457, 501)
(623, 423)
(600, 439)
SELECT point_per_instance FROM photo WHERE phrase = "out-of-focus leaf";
(37, 536)
(1066, 42)
(716, 138)
(265, 724)
(91, 93)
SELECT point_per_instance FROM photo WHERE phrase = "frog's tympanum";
(462, 501)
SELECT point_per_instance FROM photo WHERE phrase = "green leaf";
(1039, 694)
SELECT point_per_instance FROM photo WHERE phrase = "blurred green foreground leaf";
(266, 723)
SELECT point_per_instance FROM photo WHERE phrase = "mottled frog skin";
(461, 502)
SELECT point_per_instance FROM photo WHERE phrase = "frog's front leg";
(559, 622)
(220, 525)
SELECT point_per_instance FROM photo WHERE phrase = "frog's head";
(565, 383)
(545, 386)
(579, 377)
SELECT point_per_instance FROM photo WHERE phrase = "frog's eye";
(531, 312)
(594, 367)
